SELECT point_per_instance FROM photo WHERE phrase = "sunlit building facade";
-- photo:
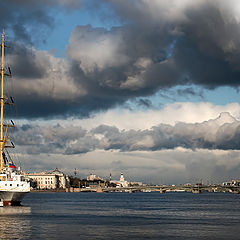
(121, 182)
(49, 180)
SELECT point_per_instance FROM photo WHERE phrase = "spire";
(122, 178)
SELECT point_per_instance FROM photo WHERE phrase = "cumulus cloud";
(220, 133)
(170, 114)
(96, 49)
(157, 45)
(171, 34)
(41, 82)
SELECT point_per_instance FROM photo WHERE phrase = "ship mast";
(2, 106)
(3, 132)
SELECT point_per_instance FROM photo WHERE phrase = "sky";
(149, 88)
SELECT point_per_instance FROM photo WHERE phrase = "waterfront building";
(121, 182)
(234, 183)
(49, 180)
(134, 184)
(93, 177)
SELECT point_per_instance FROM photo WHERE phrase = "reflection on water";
(14, 223)
(14, 210)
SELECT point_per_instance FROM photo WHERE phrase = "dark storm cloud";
(28, 68)
(201, 38)
(56, 139)
(157, 45)
(221, 133)
(196, 43)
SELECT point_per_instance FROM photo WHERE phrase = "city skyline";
(149, 88)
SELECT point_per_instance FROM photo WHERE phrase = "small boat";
(13, 185)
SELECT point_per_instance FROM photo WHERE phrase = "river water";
(123, 216)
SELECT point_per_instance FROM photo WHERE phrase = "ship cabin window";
(10, 184)
(5, 184)
(17, 185)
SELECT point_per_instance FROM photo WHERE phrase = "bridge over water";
(160, 188)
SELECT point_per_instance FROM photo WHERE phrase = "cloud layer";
(156, 45)
(159, 167)
(164, 153)
(220, 133)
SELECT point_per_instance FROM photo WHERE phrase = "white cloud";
(219, 133)
(187, 112)
(96, 48)
(138, 161)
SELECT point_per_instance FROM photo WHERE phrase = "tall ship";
(13, 185)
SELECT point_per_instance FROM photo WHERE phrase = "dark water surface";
(123, 216)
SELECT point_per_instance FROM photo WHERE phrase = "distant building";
(93, 177)
(134, 184)
(233, 183)
(121, 182)
(49, 180)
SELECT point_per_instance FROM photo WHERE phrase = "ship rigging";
(13, 185)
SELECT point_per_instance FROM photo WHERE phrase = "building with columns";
(49, 180)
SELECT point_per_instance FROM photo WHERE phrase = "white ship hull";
(12, 192)
(11, 198)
